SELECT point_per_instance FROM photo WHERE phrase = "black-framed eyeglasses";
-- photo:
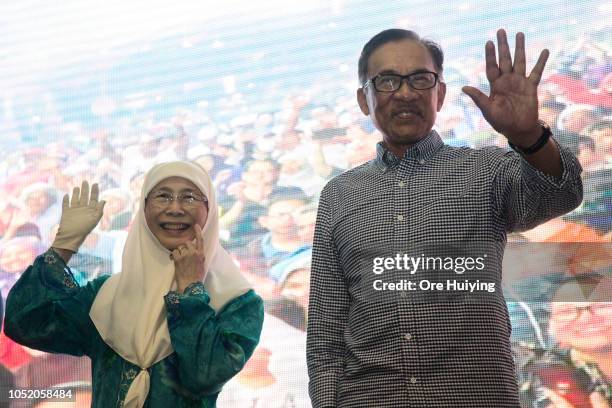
(568, 312)
(420, 81)
(186, 200)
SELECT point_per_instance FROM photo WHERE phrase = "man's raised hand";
(512, 106)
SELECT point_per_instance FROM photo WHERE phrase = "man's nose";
(405, 91)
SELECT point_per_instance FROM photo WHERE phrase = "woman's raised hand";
(80, 215)
(189, 261)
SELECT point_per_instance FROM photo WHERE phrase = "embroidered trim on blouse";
(59, 274)
(196, 288)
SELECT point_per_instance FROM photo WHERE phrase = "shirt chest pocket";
(456, 207)
(430, 192)
(456, 178)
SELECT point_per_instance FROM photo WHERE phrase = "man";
(250, 196)
(576, 118)
(418, 193)
(583, 331)
(590, 158)
(281, 238)
(601, 133)
(549, 112)
(292, 276)
(576, 367)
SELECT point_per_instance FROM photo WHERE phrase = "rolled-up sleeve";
(525, 196)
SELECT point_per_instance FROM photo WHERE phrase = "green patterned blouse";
(47, 310)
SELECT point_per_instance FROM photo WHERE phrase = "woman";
(173, 326)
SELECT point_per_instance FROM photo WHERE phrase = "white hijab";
(129, 310)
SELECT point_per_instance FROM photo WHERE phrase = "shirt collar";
(423, 149)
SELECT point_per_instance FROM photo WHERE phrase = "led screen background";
(263, 95)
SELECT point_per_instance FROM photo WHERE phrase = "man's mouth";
(408, 113)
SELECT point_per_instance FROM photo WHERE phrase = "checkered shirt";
(398, 352)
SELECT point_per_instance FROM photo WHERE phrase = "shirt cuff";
(173, 300)
(541, 181)
(55, 273)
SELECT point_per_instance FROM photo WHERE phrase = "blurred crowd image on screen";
(268, 164)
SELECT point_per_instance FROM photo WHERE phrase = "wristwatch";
(546, 134)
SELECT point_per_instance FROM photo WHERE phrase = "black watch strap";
(542, 140)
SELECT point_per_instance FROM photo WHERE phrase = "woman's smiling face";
(173, 222)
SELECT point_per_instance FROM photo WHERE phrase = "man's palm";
(512, 107)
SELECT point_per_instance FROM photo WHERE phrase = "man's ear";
(362, 101)
(441, 94)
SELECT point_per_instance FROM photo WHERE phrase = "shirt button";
(408, 336)
(422, 161)
(403, 294)
(413, 380)
(400, 217)
(401, 184)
